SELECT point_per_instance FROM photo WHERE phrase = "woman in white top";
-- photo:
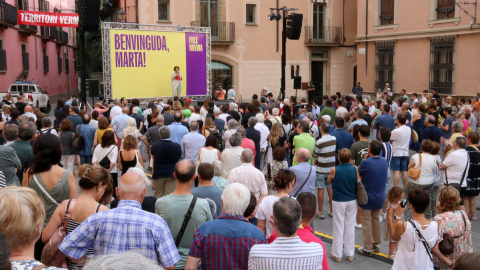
(209, 153)
(109, 150)
(411, 252)
(425, 162)
(232, 128)
(204, 109)
(131, 129)
(284, 183)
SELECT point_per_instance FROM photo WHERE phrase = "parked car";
(34, 95)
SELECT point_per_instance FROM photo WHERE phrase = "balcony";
(27, 29)
(45, 33)
(222, 33)
(52, 32)
(323, 36)
(64, 37)
(61, 37)
(46, 66)
(8, 15)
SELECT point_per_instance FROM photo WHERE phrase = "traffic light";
(294, 26)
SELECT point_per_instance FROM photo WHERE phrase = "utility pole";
(81, 39)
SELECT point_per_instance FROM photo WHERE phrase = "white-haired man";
(124, 228)
(251, 177)
(276, 116)
(264, 132)
(229, 237)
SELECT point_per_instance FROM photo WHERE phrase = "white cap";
(265, 88)
(326, 118)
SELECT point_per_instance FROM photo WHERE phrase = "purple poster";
(196, 45)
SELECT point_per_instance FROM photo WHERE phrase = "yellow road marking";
(357, 246)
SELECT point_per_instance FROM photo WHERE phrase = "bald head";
(125, 110)
(303, 155)
(160, 119)
(194, 126)
(247, 156)
(184, 171)
(131, 187)
(28, 109)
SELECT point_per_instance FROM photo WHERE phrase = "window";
(441, 64)
(250, 14)
(384, 66)
(445, 9)
(59, 59)
(221, 75)
(387, 12)
(318, 21)
(67, 68)
(22, 4)
(46, 66)
(163, 10)
(25, 60)
(3, 57)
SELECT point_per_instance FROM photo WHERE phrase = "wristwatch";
(451, 265)
(397, 218)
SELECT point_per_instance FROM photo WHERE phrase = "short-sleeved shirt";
(324, 154)
(111, 152)
(265, 210)
(373, 171)
(359, 150)
(165, 155)
(400, 140)
(456, 163)
(303, 140)
(230, 94)
(447, 122)
(229, 239)
(152, 134)
(172, 208)
(385, 120)
(328, 111)
(211, 194)
(251, 177)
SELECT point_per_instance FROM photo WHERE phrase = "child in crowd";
(394, 196)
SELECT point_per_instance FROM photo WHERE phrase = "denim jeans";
(85, 159)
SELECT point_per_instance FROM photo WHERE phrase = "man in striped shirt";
(324, 161)
(288, 251)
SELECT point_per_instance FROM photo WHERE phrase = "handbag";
(138, 165)
(362, 196)
(105, 162)
(437, 175)
(447, 245)
(78, 142)
(51, 255)
(414, 173)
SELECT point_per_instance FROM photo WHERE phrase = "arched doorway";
(221, 75)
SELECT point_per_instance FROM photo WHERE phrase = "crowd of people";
(237, 186)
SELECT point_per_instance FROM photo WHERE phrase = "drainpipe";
(366, 37)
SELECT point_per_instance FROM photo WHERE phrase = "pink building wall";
(52, 81)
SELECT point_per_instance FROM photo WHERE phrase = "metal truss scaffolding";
(107, 69)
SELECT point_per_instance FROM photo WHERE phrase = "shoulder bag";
(306, 180)
(463, 176)
(105, 162)
(414, 173)
(78, 142)
(45, 191)
(51, 255)
(447, 245)
(188, 215)
(422, 239)
(138, 165)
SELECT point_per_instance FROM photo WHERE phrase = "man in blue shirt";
(177, 130)
(359, 120)
(229, 238)
(373, 174)
(304, 172)
(384, 120)
(88, 133)
(119, 123)
(431, 132)
(357, 90)
(74, 117)
(343, 137)
(124, 228)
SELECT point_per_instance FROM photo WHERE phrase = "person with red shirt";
(305, 231)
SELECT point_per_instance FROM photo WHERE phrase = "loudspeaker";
(297, 82)
(294, 26)
(200, 101)
(91, 19)
(93, 87)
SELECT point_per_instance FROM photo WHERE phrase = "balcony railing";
(65, 37)
(25, 61)
(27, 29)
(59, 60)
(52, 32)
(8, 14)
(221, 32)
(326, 35)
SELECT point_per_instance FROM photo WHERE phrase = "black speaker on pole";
(297, 82)
(294, 26)
(93, 88)
(92, 15)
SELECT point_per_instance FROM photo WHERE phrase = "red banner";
(47, 18)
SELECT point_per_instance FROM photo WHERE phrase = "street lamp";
(122, 15)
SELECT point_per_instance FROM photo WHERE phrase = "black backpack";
(78, 142)
(218, 137)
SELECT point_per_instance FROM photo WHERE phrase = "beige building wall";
(252, 55)
(412, 30)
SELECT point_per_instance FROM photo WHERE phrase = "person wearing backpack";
(211, 130)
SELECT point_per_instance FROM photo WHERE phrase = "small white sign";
(361, 51)
(350, 53)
